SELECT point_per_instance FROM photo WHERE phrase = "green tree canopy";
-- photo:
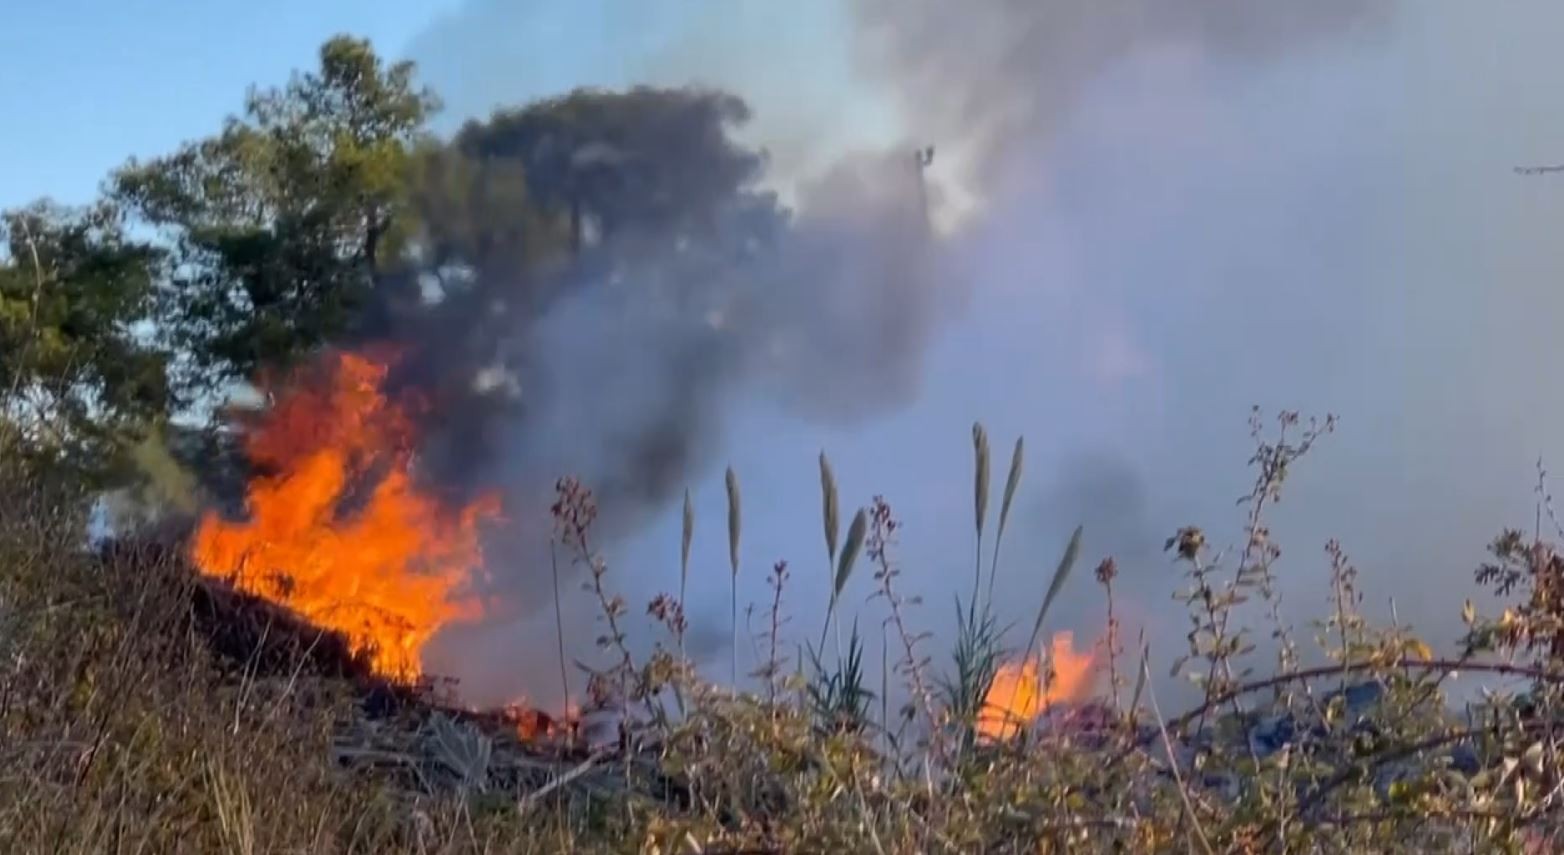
(80, 374)
(326, 212)
(279, 224)
(658, 161)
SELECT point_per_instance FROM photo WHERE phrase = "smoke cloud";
(1156, 214)
(1000, 79)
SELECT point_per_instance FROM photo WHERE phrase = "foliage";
(655, 163)
(838, 700)
(540, 199)
(80, 382)
(976, 659)
(280, 223)
(327, 213)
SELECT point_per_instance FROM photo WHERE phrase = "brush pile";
(417, 735)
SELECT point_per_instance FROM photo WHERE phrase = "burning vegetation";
(337, 531)
(803, 766)
(336, 528)
(262, 686)
(1023, 691)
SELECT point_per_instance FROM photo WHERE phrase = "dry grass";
(126, 730)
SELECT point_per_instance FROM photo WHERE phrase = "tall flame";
(1019, 693)
(337, 530)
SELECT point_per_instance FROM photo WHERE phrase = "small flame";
(1019, 693)
(533, 724)
(337, 530)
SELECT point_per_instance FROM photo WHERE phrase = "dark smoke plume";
(618, 360)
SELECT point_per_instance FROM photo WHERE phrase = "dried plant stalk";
(684, 547)
(1012, 483)
(856, 531)
(980, 500)
(1062, 572)
(733, 520)
(828, 509)
(733, 560)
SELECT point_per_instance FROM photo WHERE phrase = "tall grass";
(122, 728)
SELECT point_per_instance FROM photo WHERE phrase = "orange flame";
(337, 530)
(532, 724)
(1018, 693)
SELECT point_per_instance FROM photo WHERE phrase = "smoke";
(1000, 79)
(1164, 213)
(635, 377)
(854, 298)
(1212, 205)
(636, 394)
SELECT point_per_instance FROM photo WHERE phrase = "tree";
(81, 377)
(326, 214)
(640, 202)
(538, 200)
(280, 224)
(653, 160)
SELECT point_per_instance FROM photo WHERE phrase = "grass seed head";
(980, 479)
(734, 518)
(828, 498)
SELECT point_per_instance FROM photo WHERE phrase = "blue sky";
(88, 83)
(792, 62)
(84, 84)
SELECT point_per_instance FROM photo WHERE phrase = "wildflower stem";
(559, 622)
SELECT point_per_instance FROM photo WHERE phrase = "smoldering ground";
(1172, 211)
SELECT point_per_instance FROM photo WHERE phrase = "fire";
(532, 724)
(338, 532)
(1019, 693)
